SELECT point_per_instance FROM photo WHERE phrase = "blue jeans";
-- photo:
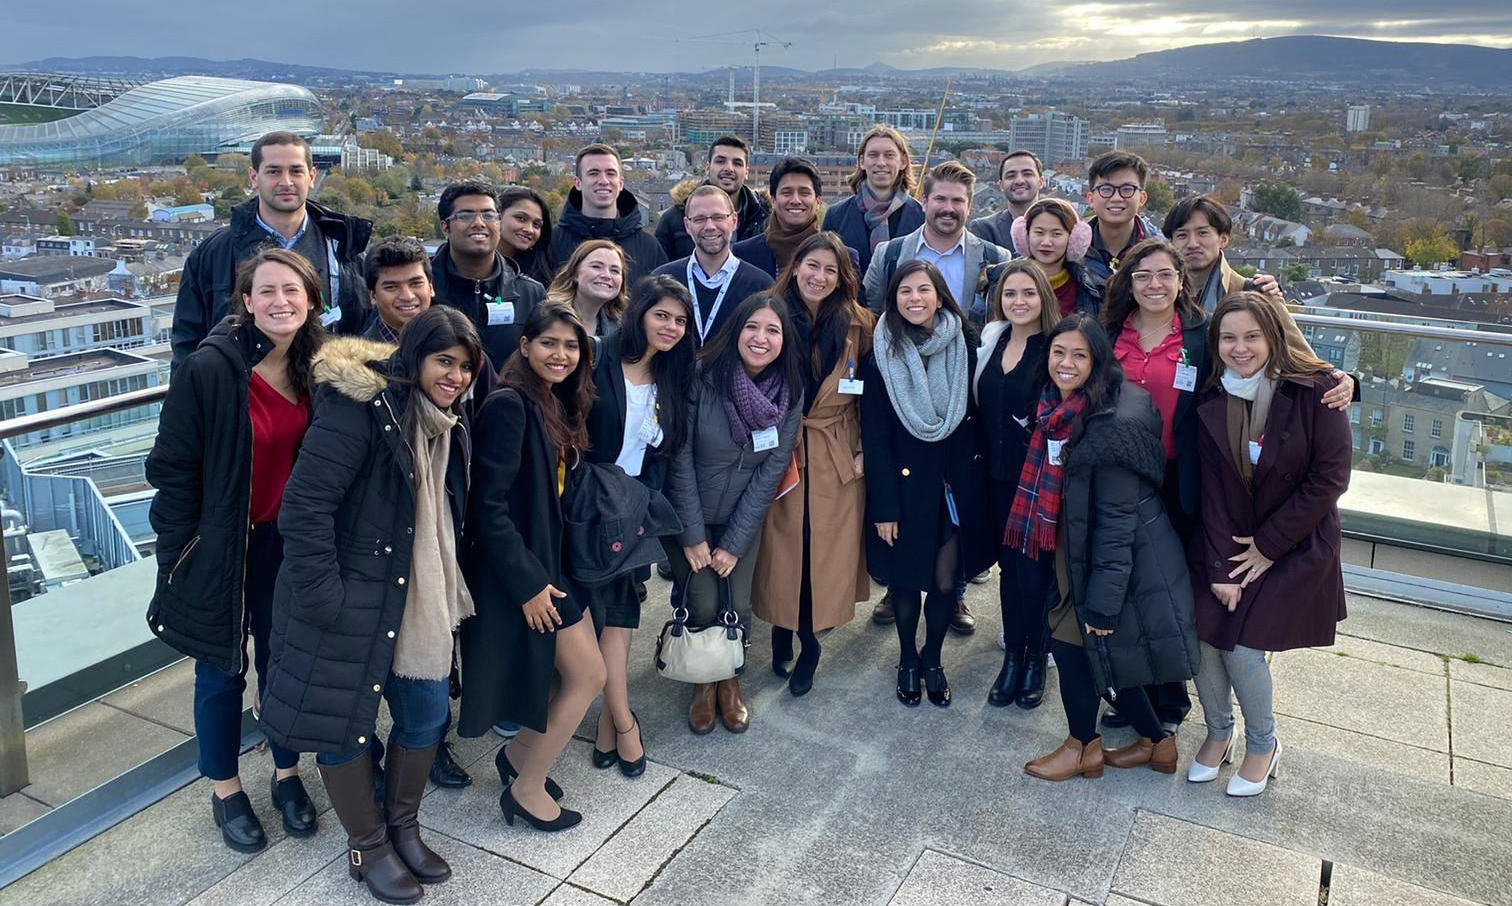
(421, 711)
(218, 694)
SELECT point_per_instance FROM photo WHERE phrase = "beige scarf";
(1249, 404)
(438, 600)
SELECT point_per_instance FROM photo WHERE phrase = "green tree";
(383, 140)
(1247, 270)
(194, 160)
(138, 211)
(1430, 250)
(1501, 187)
(1277, 200)
(1161, 197)
(1294, 273)
(66, 225)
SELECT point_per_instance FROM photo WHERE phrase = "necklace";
(1159, 330)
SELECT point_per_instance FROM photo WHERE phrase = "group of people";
(368, 456)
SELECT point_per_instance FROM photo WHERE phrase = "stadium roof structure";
(165, 121)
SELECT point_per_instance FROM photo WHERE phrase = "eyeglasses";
(1108, 190)
(470, 216)
(1143, 278)
(702, 219)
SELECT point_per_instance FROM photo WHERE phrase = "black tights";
(782, 639)
(938, 606)
(1079, 697)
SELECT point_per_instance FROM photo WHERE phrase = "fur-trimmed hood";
(683, 189)
(354, 367)
(1127, 436)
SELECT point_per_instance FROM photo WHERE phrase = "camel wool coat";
(828, 440)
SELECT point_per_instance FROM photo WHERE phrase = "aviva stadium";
(57, 120)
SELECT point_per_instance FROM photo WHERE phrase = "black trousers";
(1079, 696)
(1024, 584)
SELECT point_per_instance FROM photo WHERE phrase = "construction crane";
(757, 40)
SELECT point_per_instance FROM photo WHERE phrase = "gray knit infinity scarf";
(927, 383)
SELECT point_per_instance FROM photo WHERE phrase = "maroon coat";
(1292, 513)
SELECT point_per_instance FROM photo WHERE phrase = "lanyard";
(703, 329)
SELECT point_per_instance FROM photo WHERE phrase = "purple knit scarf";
(753, 406)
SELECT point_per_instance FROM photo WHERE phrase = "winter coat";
(201, 465)
(846, 219)
(627, 231)
(1194, 340)
(831, 497)
(1103, 261)
(1090, 289)
(751, 212)
(204, 293)
(606, 420)
(755, 251)
(715, 482)
(1292, 513)
(506, 291)
(905, 483)
(996, 229)
(348, 524)
(747, 281)
(1126, 564)
(511, 551)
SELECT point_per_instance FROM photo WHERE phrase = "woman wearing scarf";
(1052, 236)
(822, 521)
(746, 405)
(1274, 464)
(370, 591)
(1088, 498)
(924, 469)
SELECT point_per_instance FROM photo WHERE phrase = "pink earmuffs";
(1076, 246)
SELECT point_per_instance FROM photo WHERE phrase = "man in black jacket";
(282, 175)
(728, 167)
(471, 276)
(600, 207)
(1020, 181)
(717, 279)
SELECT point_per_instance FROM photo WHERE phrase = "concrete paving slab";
(1480, 674)
(938, 879)
(479, 878)
(1481, 718)
(1371, 751)
(76, 752)
(18, 809)
(1427, 629)
(280, 868)
(567, 895)
(628, 861)
(1387, 702)
(1176, 863)
(1483, 778)
(1116, 900)
(166, 696)
(1351, 886)
(1391, 655)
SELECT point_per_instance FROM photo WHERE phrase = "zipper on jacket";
(193, 542)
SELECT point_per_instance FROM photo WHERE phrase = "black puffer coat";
(751, 212)
(1126, 563)
(628, 231)
(201, 465)
(348, 523)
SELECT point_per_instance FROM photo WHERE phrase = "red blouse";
(278, 428)
(1155, 371)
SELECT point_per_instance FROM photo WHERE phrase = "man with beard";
(881, 208)
(718, 280)
(279, 213)
(1021, 181)
(796, 188)
(600, 207)
(472, 276)
(728, 167)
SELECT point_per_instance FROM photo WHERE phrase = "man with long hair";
(881, 207)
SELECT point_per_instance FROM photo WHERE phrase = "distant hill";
(165, 67)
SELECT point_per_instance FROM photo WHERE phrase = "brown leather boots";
(722, 699)
(1160, 756)
(1072, 759)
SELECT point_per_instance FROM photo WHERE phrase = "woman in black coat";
(1089, 493)
(370, 592)
(231, 426)
(532, 623)
(643, 378)
(924, 473)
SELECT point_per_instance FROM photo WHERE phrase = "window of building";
(1376, 417)
(1354, 414)
(1437, 428)
(1407, 422)
(1409, 450)
(1439, 457)
(1376, 446)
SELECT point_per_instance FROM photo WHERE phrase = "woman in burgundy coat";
(1274, 464)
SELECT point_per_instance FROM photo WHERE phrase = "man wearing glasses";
(471, 276)
(717, 279)
(1115, 190)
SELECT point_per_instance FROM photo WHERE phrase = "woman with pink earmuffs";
(1052, 235)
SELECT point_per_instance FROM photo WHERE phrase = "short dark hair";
(1039, 167)
(801, 165)
(395, 251)
(730, 141)
(1206, 205)
(280, 137)
(1111, 162)
(595, 148)
(456, 190)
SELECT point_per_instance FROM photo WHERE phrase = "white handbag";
(703, 655)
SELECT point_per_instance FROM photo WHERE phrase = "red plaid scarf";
(1037, 503)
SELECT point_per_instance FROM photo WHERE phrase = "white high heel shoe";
(1198, 772)
(1238, 786)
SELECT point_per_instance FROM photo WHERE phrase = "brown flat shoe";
(732, 708)
(701, 711)
(1072, 759)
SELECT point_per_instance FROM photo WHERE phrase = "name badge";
(765, 439)
(650, 433)
(1054, 450)
(851, 386)
(500, 313)
(330, 316)
(1254, 452)
(1186, 378)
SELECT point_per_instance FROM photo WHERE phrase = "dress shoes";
(883, 614)
(909, 686)
(294, 805)
(732, 707)
(963, 621)
(701, 712)
(238, 823)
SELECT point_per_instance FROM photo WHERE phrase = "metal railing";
(1405, 328)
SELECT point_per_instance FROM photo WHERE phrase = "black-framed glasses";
(1126, 190)
(470, 216)
(716, 219)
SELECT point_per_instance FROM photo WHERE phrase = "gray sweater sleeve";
(745, 522)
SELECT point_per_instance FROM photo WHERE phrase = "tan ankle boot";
(732, 708)
(1132, 756)
(1072, 759)
(701, 711)
(1163, 759)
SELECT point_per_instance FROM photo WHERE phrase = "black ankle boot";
(782, 651)
(1031, 690)
(238, 823)
(1009, 680)
(802, 679)
(293, 803)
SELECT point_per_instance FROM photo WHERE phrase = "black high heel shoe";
(937, 686)
(604, 759)
(908, 686)
(802, 679)
(512, 809)
(638, 766)
(507, 774)
(782, 651)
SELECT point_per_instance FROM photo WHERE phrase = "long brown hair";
(1290, 354)
(1049, 306)
(299, 360)
(565, 286)
(837, 311)
(564, 406)
(905, 181)
(1120, 303)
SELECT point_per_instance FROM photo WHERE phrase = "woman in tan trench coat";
(820, 520)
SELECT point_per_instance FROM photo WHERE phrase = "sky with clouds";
(490, 36)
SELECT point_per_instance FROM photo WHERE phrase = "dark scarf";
(1037, 503)
(754, 406)
(820, 345)
(784, 242)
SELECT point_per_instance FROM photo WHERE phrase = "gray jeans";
(1245, 673)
